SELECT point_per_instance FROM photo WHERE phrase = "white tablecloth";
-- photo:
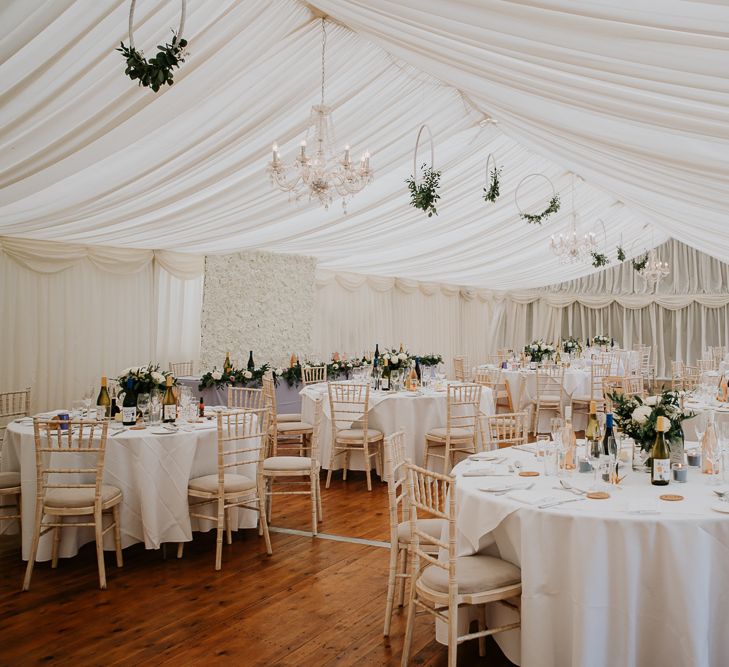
(389, 412)
(152, 472)
(720, 410)
(603, 586)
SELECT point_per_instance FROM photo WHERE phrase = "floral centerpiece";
(601, 341)
(538, 350)
(241, 377)
(397, 359)
(431, 359)
(145, 378)
(571, 346)
(637, 418)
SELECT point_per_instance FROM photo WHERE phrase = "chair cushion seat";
(474, 574)
(585, 398)
(285, 427)
(433, 527)
(9, 480)
(233, 483)
(302, 463)
(80, 497)
(441, 433)
(291, 417)
(548, 398)
(358, 434)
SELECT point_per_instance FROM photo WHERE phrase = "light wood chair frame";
(349, 406)
(599, 371)
(459, 368)
(296, 434)
(494, 379)
(14, 492)
(288, 478)
(245, 398)
(507, 429)
(182, 368)
(240, 432)
(463, 411)
(313, 374)
(549, 381)
(83, 437)
(435, 494)
(13, 405)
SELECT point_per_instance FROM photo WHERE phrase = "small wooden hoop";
(424, 126)
(131, 22)
(528, 176)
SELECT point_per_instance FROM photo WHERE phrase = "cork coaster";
(598, 495)
(137, 427)
(671, 497)
(528, 473)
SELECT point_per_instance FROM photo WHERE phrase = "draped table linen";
(389, 411)
(631, 580)
(152, 472)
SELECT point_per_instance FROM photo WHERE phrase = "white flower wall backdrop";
(257, 301)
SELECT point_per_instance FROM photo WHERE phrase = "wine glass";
(700, 427)
(613, 446)
(555, 428)
(88, 396)
(143, 405)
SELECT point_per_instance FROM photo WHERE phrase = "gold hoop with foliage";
(491, 191)
(157, 71)
(424, 195)
(536, 218)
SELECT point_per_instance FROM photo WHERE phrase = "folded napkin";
(537, 497)
(487, 456)
(496, 487)
(487, 471)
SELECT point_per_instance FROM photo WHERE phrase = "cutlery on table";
(560, 502)
(567, 486)
(722, 495)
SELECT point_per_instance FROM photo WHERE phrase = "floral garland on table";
(239, 377)
(145, 378)
(536, 218)
(425, 195)
(601, 341)
(637, 418)
(538, 350)
(571, 346)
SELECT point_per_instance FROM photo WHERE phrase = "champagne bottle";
(169, 404)
(401, 348)
(129, 405)
(251, 366)
(377, 354)
(227, 366)
(103, 401)
(592, 432)
(709, 443)
(661, 455)
(412, 380)
(569, 440)
(418, 371)
(201, 408)
(292, 361)
(385, 385)
(608, 432)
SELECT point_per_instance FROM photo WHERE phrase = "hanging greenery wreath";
(424, 194)
(491, 193)
(599, 259)
(537, 218)
(621, 254)
(640, 263)
(156, 71)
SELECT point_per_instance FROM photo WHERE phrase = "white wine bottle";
(569, 440)
(592, 432)
(129, 406)
(661, 455)
(169, 404)
(103, 401)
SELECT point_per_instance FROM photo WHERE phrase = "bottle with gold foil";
(169, 403)
(569, 440)
(592, 432)
(385, 381)
(227, 366)
(661, 455)
(103, 401)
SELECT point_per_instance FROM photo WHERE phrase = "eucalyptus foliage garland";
(492, 193)
(537, 218)
(425, 195)
(621, 254)
(156, 71)
(640, 263)
(599, 259)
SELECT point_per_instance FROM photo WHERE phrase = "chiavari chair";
(313, 374)
(494, 379)
(507, 429)
(285, 432)
(550, 393)
(13, 405)
(245, 398)
(677, 373)
(598, 373)
(459, 368)
(182, 368)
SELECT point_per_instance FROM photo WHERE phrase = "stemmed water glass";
(143, 405)
(87, 398)
(555, 428)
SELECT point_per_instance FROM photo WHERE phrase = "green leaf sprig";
(599, 259)
(425, 195)
(537, 218)
(492, 193)
(156, 71)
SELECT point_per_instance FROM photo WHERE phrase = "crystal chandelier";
(322, 176)
(654, 271)
(571, 247)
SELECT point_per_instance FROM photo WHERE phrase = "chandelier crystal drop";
(322, 175)
(654, 270)
(571, 247)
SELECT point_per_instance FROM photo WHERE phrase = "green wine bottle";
(661, 455)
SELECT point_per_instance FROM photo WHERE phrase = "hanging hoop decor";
(600, 259)
(537, 218)
(424, 194)
(491, 191)
(156, 71)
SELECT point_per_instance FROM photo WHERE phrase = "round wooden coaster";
(528, 473)
(598, 495)
(671, 497)
(137, 427)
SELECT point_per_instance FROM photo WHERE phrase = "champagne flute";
(555, 428)
(143, 405)
(87, 398)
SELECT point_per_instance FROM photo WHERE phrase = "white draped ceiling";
(633, 96)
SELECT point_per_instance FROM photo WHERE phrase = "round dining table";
(152, 467)
(628, 580)
(415, 413)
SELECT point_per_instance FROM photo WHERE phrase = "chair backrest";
(677, 371)
(314, 439)
(550, 382)
(691, 378)
(645, 360)
(508, 429)
(13, 404)
(717, 355)
(705, 364)
(269, 394)
(245, 398)
(459, 368)
(396, 478)
(598, 372)
(242, 436)
(348, 403)
(182, 368)
(463, 407)
(65, 458)
(434, 494)
(634, 385)
(313, 374)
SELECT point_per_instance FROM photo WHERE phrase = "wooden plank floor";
(314, 602)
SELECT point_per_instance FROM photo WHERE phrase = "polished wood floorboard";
(314, 602)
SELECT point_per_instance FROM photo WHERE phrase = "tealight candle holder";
(680, 472)
(694, 458)
(583, 465)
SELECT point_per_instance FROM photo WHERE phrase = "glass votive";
(155, 413)
(694, 458)
(551, 460)
(680, 472)
(584, 466)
